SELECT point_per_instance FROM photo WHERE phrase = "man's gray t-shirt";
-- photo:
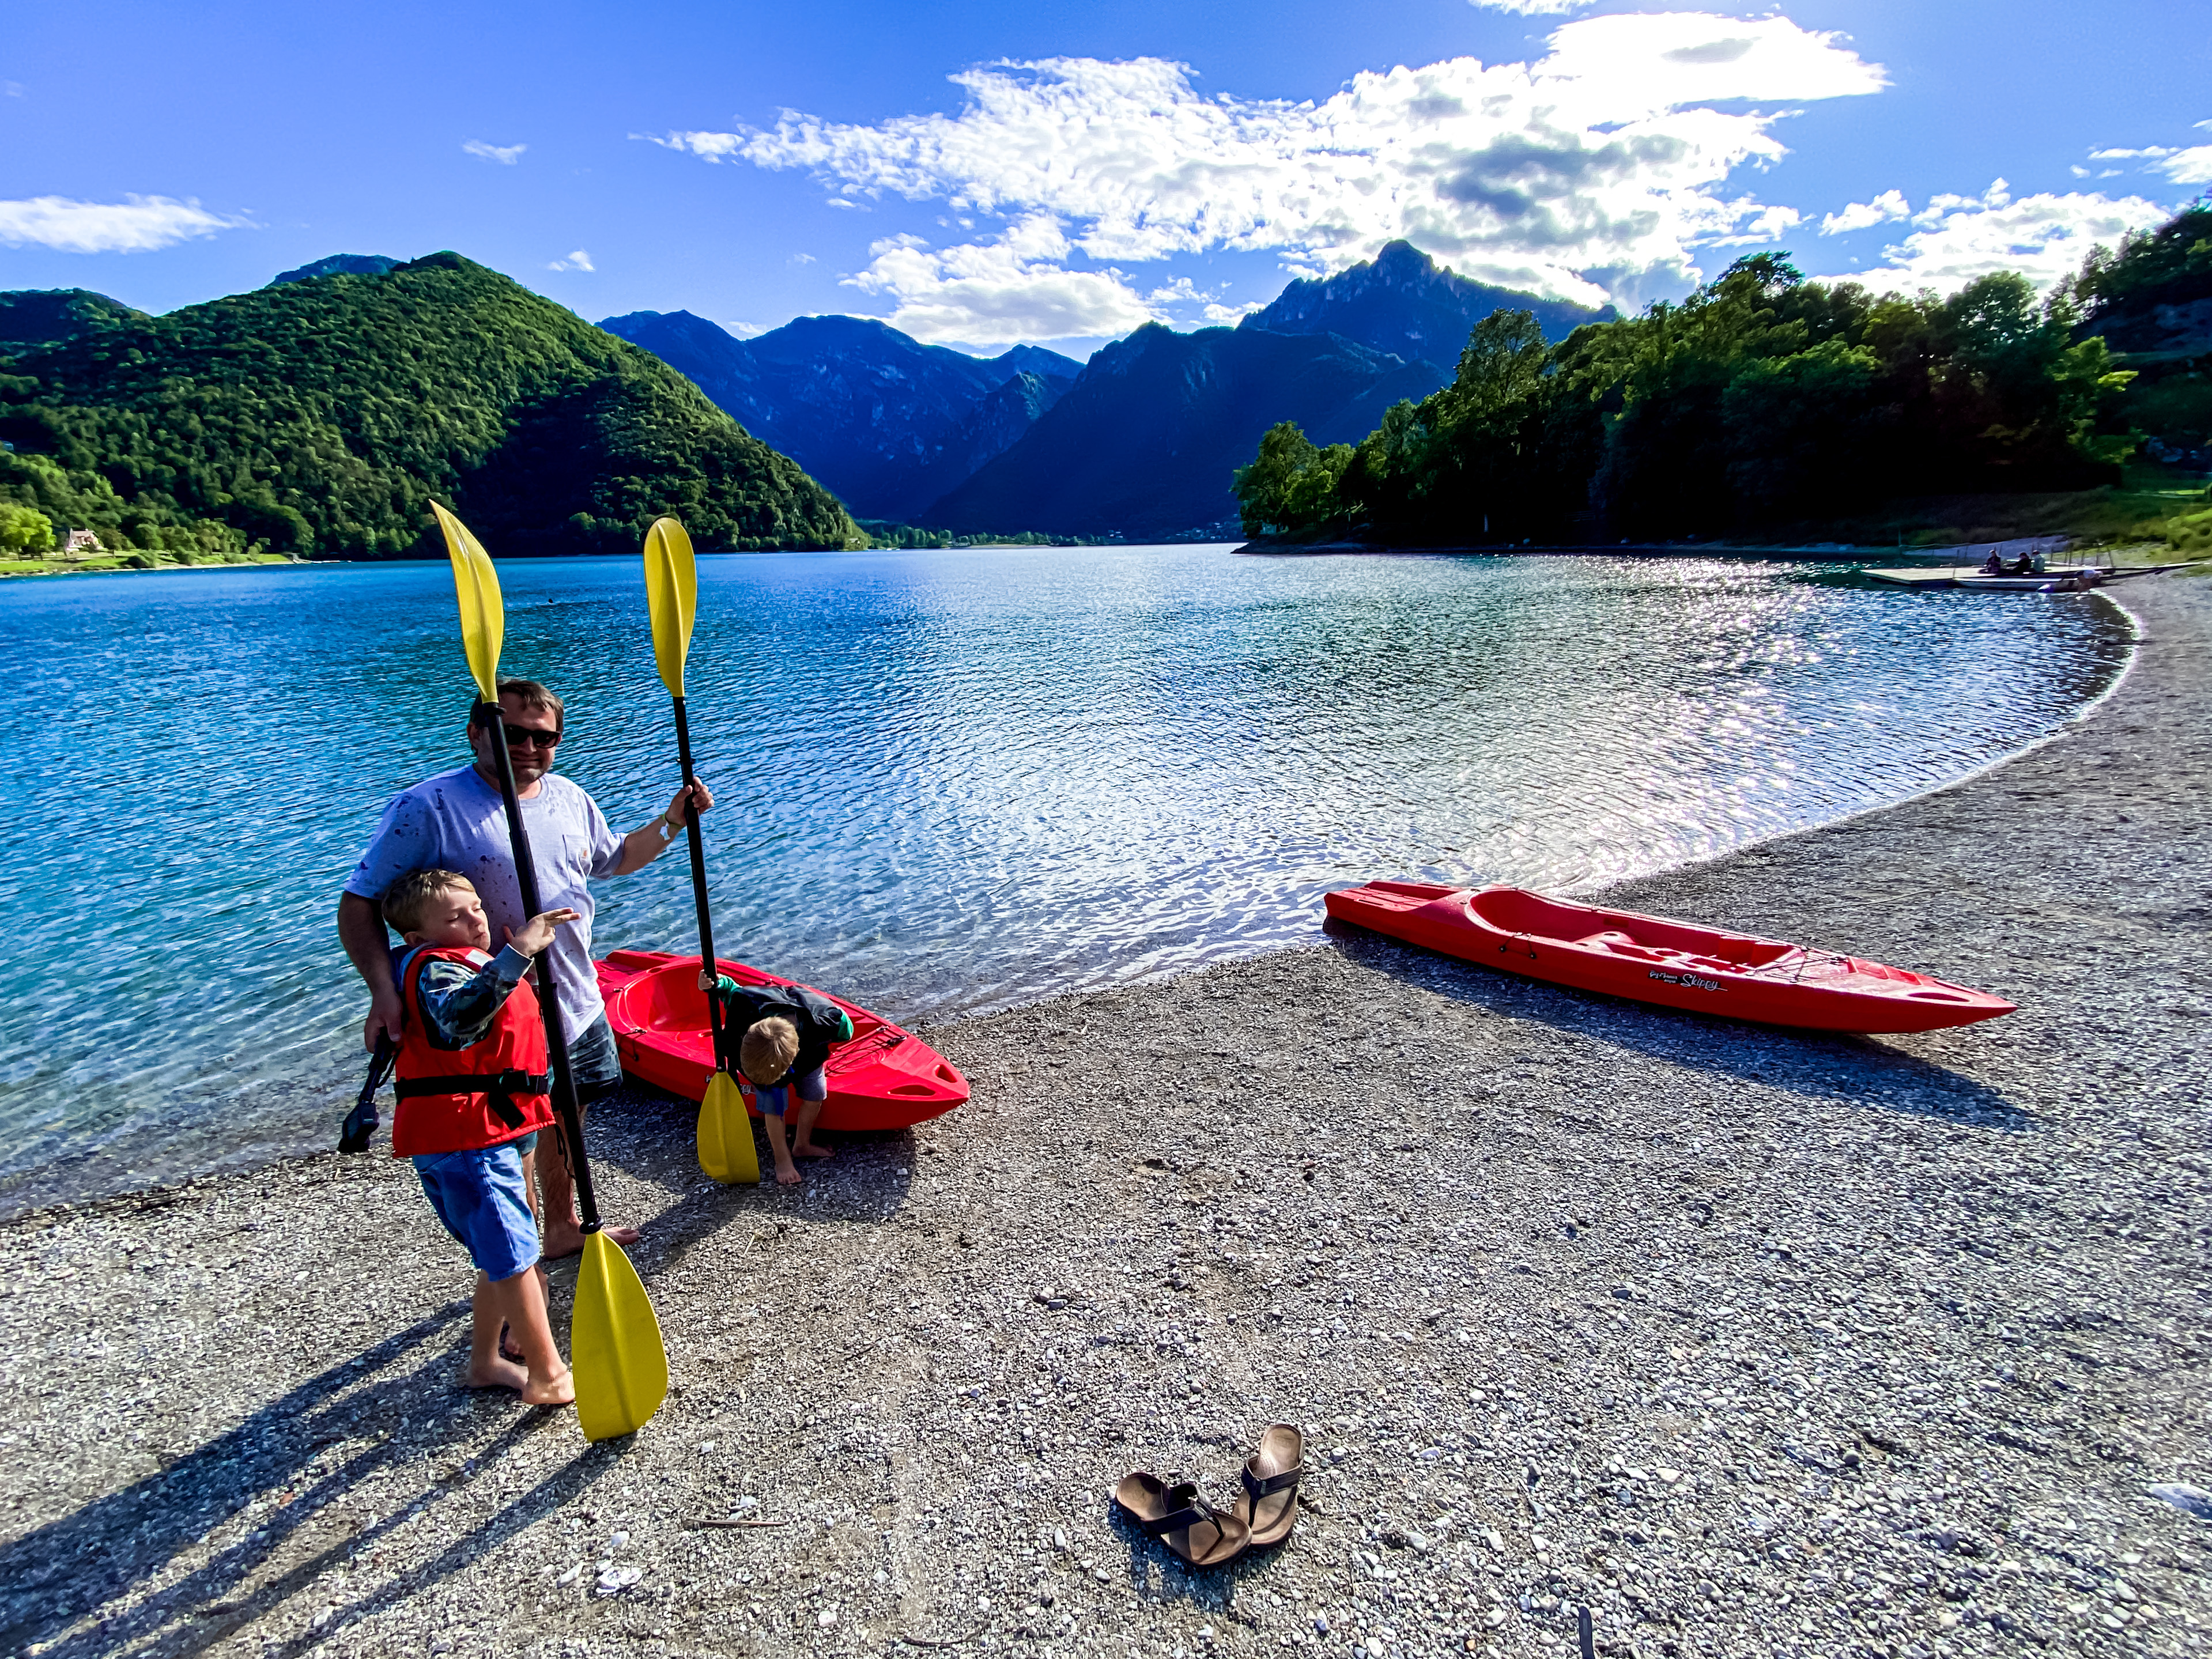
(456, 821)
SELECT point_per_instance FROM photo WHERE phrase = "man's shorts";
(814, 1085)
(479, 1196)
(593, 1062)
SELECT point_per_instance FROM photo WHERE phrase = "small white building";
(79, 544)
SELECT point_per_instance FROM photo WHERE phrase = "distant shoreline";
(266, 562)
(2010, 547)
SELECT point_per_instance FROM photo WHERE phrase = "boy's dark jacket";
(821, 1023)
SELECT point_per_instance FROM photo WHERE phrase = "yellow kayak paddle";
(615, 1348)
(672, 595)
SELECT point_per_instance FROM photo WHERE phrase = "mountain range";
(1145, 443)
(1403, 303)
(320, 412)
(890, 423)
(1139, 442)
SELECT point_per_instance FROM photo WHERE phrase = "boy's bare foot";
(786, 1173)
(509, 1348)
(809, 1150)
(498, 1373)
(569, 1240)
(558, 1389)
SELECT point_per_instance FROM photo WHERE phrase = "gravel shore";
(1749, 1342)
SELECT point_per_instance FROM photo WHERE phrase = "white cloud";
(1593, 173)
(2044, 238)
(577, 260)
(137, 224)
(1890, 205)
(505, 155)
(1015, 287)
(2189, 166)
(1531, 8)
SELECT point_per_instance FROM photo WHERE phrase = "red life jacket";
(457, 1100)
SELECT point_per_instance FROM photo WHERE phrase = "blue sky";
(1090, 166)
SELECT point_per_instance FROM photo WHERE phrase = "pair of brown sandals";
(1177, 1514)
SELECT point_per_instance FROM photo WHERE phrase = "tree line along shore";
(1766, 404)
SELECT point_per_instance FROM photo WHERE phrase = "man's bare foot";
(569, 1241)
(558, 1389)
(497, 1374)
(809, 1150)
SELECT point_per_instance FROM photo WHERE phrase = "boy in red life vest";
(472, 1092)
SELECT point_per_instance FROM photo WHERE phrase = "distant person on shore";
(457, 821)
(471, 1086)
(783, 1035)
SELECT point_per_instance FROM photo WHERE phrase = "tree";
(25, 531)
(1290, 484)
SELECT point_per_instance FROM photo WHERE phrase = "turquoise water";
(949, 780)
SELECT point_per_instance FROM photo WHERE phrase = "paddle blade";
(483, 620)
(614, 1344)
(671, 596)
(726, 1152)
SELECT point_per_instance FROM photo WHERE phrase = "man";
(457, 821)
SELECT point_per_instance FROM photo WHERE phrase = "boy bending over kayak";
(783, 1035)
(472, 1091)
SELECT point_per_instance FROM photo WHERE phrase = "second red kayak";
(884, 1079)
(1651, 959)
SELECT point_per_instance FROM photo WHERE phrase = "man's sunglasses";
(524, 737)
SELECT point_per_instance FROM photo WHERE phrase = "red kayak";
(884, 1079)
(1651, 959)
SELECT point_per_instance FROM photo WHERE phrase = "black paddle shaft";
(556, 1045)
(707, 969)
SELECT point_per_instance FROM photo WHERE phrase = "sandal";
(1269, 1507)
(1182, 1520)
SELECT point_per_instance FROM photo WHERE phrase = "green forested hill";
(320, 416)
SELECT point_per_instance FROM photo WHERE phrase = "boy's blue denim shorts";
(814, 1085)
(479, 1196)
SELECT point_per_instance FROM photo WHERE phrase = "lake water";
(950, 781)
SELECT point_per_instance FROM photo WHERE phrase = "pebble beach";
(1742, 1340)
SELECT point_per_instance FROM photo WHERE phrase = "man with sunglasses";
(457, 821)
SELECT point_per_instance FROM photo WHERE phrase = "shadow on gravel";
(62, 1571)
(58, 1574)
(1155, 1575)
(1854, 1070)
(565, 1484)
(651, 1137)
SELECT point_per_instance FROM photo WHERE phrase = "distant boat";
(2057, 579)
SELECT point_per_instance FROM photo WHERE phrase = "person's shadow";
(1856, 1070)
(58, 1574)
(303, 1453)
